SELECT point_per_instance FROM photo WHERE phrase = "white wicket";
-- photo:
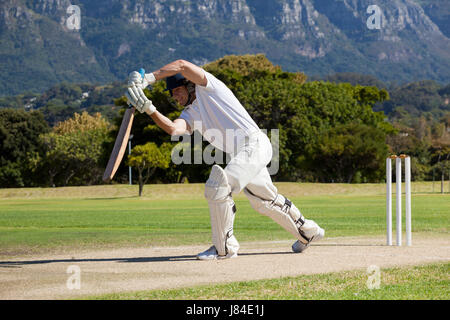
(398, 210)
(398, 199)
(389, 201)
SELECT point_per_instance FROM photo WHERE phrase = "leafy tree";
(445, 91)
(19, 142)
(56, 159)
(416, 98)
(63, 93)
(302, 111)
(57, 113)
(73, 150)
(347, 153)
(81, 123)
(147, 158)
(244, 64)
(354, 79)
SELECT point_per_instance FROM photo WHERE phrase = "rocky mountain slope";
(40, 48)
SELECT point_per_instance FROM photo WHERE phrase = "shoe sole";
(215, 257)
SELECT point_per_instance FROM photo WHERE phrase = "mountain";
(318, 37)
(37, 51)
(439, 13)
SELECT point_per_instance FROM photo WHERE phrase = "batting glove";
(137, 99)
(135, 78)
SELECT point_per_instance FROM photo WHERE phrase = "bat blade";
(120, 145)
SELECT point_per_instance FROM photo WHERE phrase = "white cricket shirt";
(218, 115)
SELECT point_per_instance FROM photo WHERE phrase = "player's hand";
(137, 98)
(135, 78)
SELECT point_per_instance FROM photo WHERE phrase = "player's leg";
(265, 199)
(222, 211)
(252, 156)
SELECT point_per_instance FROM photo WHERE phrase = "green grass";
(415, 283)
(46, 219)
(53, 223)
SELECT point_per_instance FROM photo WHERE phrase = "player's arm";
(137, 98)
(189, 70)
(174, 128)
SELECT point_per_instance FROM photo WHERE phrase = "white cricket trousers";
(248, 169)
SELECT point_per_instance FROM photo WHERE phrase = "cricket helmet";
(175, 81)
(179, 80)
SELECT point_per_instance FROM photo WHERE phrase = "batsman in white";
(211, 103)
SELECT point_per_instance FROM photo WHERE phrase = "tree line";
(329, 131)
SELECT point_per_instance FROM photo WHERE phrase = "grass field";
(36, 220)
(55, 219)
(426, 282)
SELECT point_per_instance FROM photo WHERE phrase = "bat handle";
(142, 72)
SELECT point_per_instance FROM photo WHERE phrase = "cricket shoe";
(299, 246)
(211, 254)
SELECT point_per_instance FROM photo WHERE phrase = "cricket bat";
(121, 142)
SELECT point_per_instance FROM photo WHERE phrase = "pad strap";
(300, 221)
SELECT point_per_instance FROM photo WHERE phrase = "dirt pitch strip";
(135, 269)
